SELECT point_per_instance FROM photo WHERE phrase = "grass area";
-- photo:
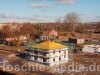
(29, 45)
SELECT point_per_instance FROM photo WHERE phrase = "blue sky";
(47, 10)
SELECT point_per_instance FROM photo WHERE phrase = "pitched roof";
(49, 45)
(49, 32)
(53, 32)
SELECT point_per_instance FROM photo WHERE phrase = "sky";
(48, 10)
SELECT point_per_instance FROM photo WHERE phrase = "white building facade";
(91, 48)
(49, 56)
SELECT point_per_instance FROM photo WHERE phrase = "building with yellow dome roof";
(49, 53)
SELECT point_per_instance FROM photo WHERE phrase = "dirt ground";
(85, 59)
(90, 61)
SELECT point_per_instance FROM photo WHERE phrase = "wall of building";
(88, 48)
(53, 57)
(80, 41)
(76, 40)
(59, 56)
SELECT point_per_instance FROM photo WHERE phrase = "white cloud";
(51, 2)
(6, 16)
(58, 1)
(66, 1)
(40, 5)
(34, 18)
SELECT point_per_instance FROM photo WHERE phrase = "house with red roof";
(46, 35)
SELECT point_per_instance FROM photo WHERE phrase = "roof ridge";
(49, 45)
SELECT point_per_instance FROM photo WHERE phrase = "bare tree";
(16, 35)
(73, 19)
(28, 29)
(12, 31)
(6, 29)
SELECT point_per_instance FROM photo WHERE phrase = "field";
(85, 59)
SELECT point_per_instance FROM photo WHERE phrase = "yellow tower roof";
(49, 45)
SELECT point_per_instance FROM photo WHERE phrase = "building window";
(59, 58)
(35, 52)
(35, 58)
(64, 56)
(41, 53)
(44, 54)
(44, 60)
(64, 52)
(53, 59)
(53, 52)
